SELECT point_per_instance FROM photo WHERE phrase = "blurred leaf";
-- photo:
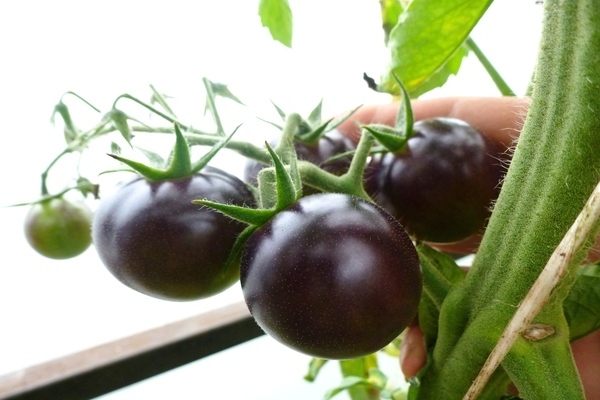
(390, 11)
(86, 187)
(399, 394)
(427, 35)
(347, 383)
(440, 272)
(115, 148)
(220, 89)
(582, 305)
(393, 348)
(314, 368)
(377, 378)
(429, 316)
(359, 368)
(70, 131)
(314, 118)
(155, 159)
(161, 99)
(279, 111)
(119, 120)
(276, 15)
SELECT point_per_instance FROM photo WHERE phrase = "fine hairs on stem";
(541, 290)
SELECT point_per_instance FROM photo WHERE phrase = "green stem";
(492, 72)
(153, 109)
(44, 175)
(80, 98)
(550, 179)
(210, 102)
(352, 181)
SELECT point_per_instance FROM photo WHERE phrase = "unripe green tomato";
(59, 228)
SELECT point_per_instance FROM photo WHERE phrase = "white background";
(100, 49)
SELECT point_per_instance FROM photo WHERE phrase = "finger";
(413, 355)
(499, 118)
(586, 352)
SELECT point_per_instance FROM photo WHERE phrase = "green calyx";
(179, 163)
(279, 186)
(313, 128)
(394, 139)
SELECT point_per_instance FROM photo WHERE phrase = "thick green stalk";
(553, 172)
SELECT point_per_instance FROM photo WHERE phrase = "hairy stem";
(553, 172)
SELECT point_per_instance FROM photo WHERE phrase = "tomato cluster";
(331, 152)
(332, 275)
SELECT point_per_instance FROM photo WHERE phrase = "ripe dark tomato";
(59, 228)
(333, 143)
(332, 276)
(442, 185)
(153, 239)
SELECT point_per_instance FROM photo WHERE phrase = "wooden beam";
(116, 364)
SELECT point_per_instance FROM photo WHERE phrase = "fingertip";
(413, 355)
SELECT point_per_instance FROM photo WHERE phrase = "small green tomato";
(59, 228)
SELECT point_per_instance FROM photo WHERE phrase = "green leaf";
(427, 35)
(440, 272)
(390, 12)
(429, 315)
(276, 15)
(440, 77)
(314, 368)
(582, 305)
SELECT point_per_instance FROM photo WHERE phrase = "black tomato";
(332, 144)
(59, 228)
(153, 239)
(442, 185)
(332, 276)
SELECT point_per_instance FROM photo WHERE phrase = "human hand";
(500, 119)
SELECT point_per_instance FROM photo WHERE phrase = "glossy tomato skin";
(331, 144)
(153, 239)
(442, 185)
(332, 276)
(59, 228)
